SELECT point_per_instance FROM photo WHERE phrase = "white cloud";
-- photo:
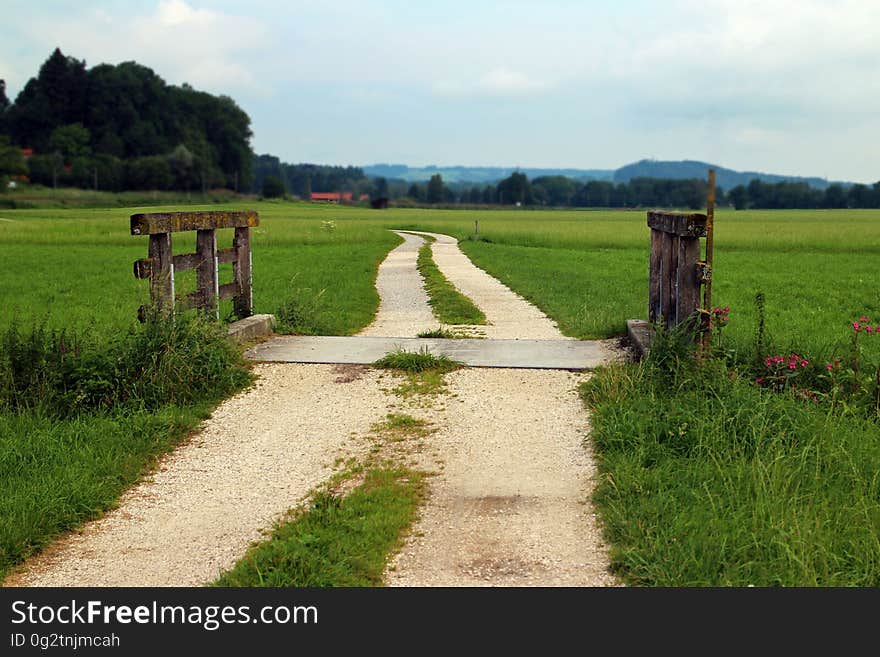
(506, 81)
(177, 12)
(208, 49)
(499, 81)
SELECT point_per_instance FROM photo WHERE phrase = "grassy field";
(586, 269)
(315, 267)
(74, 267)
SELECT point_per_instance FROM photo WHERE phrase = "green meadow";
(706, 480)
(586, 269)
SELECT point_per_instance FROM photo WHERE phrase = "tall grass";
(708, 480)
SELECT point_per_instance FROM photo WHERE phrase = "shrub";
(152, 365)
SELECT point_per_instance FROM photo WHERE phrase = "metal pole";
(710, 245)
(710, 242)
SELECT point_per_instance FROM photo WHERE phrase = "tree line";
(272, 177)
(116, 127)
(560, 191)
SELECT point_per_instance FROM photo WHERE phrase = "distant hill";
(477, 175)
(726, 178)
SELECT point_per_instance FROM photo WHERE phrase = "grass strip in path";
(449, 305)
(336, 541)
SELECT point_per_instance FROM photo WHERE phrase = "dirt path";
(403, 307)
(510, 503)
(508, 314)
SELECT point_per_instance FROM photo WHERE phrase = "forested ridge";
(122, 126)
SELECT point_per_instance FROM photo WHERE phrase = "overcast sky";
(780, 86)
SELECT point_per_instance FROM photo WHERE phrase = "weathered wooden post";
(674, 273)
(161, 264)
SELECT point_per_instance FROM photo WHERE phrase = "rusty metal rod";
(710, 245)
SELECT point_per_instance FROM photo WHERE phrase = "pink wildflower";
(856, 327)
(864, 320)
(829, 367)
(868, 328)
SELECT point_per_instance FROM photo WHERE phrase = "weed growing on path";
(423, 371)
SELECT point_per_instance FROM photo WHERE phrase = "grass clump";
(400, 426)
(336, 541)
(423, 371)
(416, 362)
(449, 305)
(439, 333)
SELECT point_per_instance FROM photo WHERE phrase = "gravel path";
(257, 457)
(403, 308)
(510, 503)
(508, 506)
(509, 315)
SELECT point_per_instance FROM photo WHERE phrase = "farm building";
(336, 197)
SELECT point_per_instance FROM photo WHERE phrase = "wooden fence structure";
(161, 265)
(676, 271)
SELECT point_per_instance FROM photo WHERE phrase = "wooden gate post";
(161, 264)
(241, 273)
(674, 277)
(161, 272)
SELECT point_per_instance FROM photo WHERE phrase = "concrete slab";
(362, 350)
(251, 328)
(640, 333)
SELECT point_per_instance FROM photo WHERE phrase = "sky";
(777, 86)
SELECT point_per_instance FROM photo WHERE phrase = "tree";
(182, 160)
(381, 187)
(835, 197)
(151, 172)
(515, 189)
(553, 190)
(739, 197)
(859, 196)
(4, 106)
(71, 141)
(11, 162)
(56, 97)
(416, 192)
(436, 192)
(273, 187)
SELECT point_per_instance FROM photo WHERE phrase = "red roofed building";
(331, 197)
